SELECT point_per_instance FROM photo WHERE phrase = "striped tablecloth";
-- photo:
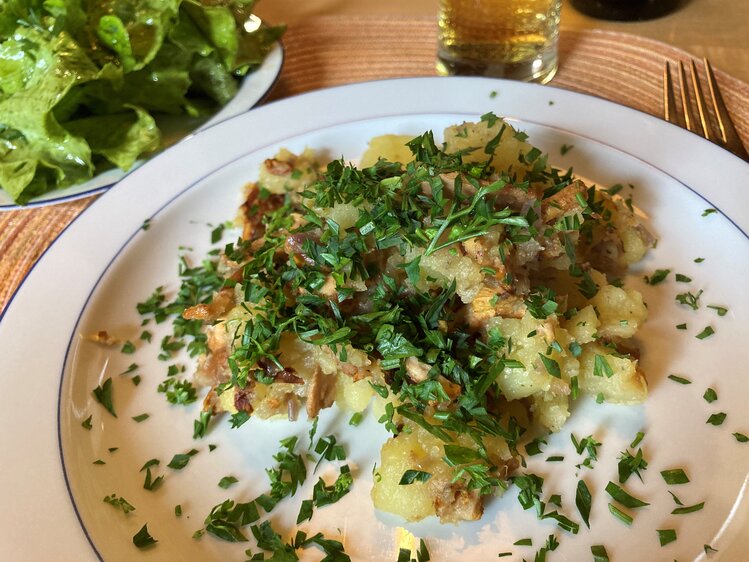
(333, 50)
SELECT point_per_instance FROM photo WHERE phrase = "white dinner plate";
(252, 90)
(92, 277)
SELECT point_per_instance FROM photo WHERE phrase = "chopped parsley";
(119, 503)
(411, 476)
(620, 515)
(132, 367)
(128, 347)
(329, 449)
(179, 461)
(717, 419)
(740, 437)
(583, 501)
(674, 476)
(588, 444)
(601, 367)
(290, 473)
(688, 509)
(599, 553)
(666, 536)
(227, 482)
(721, 310)
(630, 464)
(623, 497)
(143, 539)
(226, 518)
(710, 395)
(200, 425)
(151, 484)
(551, 366)
(323, 494)
(679, 379)
(658, 277)
(86, 424)
(180, 392)
(690, 299)
(705, 333)
(534, 447)
(141, 417)
(103, 395)
(637, 440)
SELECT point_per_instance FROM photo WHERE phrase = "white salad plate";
(94, 274)
(253, 88)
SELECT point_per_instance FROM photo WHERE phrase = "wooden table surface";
(718, 29)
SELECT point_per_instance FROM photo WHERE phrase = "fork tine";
(685, 107)
(669, 104)
(728, 133)
(718, 106)
(700, 100)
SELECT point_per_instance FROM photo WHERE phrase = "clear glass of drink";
(514, 39)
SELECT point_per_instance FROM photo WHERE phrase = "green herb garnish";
(103, 395)
(227, 482)
(666, 536)
(658, 277)
(599, 553)
(623, 497)
(179, 461)
(721, 310)
(674, 476)
(620, 515)
(583, 501)
(119, 503)
(143, 538)
(688, 509)
(411, 476)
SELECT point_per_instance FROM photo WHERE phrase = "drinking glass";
(514, 39)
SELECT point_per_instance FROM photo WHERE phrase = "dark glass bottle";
(625, 10)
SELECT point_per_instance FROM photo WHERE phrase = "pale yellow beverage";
(514, 39)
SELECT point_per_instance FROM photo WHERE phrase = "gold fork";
(726, 135)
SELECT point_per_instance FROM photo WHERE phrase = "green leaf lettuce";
(81, 80)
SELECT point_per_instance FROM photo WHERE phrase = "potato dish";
(463, 292)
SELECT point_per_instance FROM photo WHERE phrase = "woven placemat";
(333, 50)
